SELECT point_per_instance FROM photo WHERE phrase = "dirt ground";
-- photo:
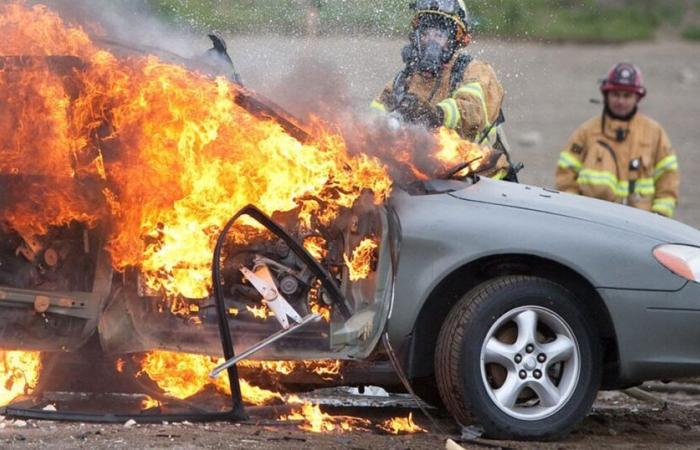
(548, 92)
(616, 421)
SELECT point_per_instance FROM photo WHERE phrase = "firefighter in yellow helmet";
(622, 156)
(442, 85)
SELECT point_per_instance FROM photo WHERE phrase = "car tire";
(520, 356)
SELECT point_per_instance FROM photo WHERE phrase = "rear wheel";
(520, 356)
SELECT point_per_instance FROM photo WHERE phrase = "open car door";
(320, 295)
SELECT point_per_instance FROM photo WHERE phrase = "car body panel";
(586, 209)
(657, 332)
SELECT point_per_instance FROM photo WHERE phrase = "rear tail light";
(683, 260)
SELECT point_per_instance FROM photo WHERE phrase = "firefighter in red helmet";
(622, 156)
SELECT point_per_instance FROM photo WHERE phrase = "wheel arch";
(452, 287)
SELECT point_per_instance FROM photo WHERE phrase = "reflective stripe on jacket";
(468, 109)
(641, 170)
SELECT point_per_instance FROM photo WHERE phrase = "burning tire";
(520, 356)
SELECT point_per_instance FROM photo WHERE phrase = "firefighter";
(622, 156)
(442, 85)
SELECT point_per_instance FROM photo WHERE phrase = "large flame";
(19, 373)
(182, 375)
(174, 154)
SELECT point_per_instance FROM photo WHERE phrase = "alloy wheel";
(530, 363)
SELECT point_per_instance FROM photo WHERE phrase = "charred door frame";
(327, 282)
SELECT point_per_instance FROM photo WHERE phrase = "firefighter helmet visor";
(451, 8)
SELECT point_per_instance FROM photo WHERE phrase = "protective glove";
(416, 111)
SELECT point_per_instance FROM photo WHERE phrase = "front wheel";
(519, 355)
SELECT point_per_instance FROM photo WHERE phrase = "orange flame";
(401, 425)
(179, 375)
(38, 31)
(19, 373)
(322, 310)
(316, 246)
(360, 265)
(325, 369)
(316, 302)
(182, 375)
(178, 144)
(149, 403)
(328, 369)
(260, 312)
(278, 367)
(454, 150)
(119, 365)
(316, 421)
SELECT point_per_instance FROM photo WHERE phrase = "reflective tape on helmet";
(378, 106)
(668, 164)
(452, 9)
(601, 178)
(445, 6)
(475, 90)
(664, 205)
(568, 160)
(451, 112)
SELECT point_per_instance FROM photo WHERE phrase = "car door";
(337, 280)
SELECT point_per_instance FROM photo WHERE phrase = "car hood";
(549, 201)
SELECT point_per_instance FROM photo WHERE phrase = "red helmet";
(624, 77)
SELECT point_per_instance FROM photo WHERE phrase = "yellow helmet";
(452, 9)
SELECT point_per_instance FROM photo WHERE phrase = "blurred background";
(551, 20)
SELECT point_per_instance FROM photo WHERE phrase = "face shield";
(434, 43)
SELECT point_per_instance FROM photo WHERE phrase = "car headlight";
(683, 260)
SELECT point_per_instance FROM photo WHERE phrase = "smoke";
(128, 25)
(316, 88)
(313, 87)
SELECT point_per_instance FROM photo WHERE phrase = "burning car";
(125, 188)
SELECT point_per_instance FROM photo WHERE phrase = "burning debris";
(316, 421)
(399, 425)
(147, 159)
(361, 263)
(19, 374)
